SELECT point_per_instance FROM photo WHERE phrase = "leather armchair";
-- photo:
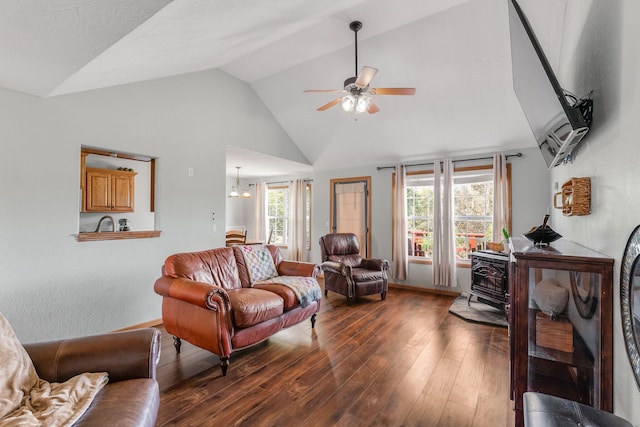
(543, 410)
(346, 272)
(131, 397)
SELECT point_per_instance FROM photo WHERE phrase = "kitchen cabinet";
(560, 348)
(109, 190)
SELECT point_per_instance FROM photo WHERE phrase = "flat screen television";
(558, 125)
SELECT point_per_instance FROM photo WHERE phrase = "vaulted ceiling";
(456, 54)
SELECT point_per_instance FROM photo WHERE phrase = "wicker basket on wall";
(575, 197)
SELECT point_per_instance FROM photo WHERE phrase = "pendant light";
(238, 190)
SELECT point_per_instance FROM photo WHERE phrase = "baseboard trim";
(425, 290)
(149, 324)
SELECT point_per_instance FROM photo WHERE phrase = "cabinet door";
(564, 347)
(122, 193)
(98, 197)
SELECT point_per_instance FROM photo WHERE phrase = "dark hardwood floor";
(401, 362)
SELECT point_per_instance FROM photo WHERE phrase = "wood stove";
(489, 278)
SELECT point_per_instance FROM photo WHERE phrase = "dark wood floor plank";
(404, 361)
(469, 380)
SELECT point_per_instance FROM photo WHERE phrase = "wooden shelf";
(117, 235)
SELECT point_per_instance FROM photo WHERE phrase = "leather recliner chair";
(131, 397)
(346, 272)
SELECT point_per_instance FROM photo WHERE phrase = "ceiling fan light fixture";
(358, 93)
(348, 103)
(356, 103)
(363, 101)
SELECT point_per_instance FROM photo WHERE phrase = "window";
(419, 194)
(473, 211)
(277, 210)
(278, 199)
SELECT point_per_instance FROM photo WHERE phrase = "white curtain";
(399, 248)
(444, 239)
(500, 202)
(260, 212)
(296, 240)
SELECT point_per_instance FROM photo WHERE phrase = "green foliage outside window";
(277, 199)
(473, 215)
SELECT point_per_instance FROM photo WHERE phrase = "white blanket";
(27, 400)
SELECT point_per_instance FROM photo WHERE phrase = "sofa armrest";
(337, 268)
(123, 355)
(298, 268)
(192, 296)
(204, 295)
(375, 264)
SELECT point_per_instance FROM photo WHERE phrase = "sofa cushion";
(352, 260)
(306, 289)
(364, 275)
(288, 296)
(251, 306)
(216, 266)
(259, 262)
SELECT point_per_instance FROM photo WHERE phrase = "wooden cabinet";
(558, 349)
(108, 190)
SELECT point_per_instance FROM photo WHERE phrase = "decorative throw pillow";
(259, 262)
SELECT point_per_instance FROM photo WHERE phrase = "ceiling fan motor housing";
(350, 86)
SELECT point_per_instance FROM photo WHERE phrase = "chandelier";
(238, 190)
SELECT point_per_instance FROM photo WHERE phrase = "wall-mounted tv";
(558, 125)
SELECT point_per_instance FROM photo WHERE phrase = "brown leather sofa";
(346, 272)
(131, 397)
(208, 300)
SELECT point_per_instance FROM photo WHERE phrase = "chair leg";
(313, 321)
(177, 343)
(224, 364)
(326, 292)
(383, 296)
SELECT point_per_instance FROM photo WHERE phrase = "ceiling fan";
(357, 98)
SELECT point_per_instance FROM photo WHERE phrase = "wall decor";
(629, 295)
(575, 197)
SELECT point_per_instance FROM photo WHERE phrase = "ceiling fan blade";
(393, 91)
(373, 108)
(329, 105)
(365, 76)
(325, 90)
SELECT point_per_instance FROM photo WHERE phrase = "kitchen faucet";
(113, 225)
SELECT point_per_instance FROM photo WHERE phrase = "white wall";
(53, 286)
(606, 60)
(530, 192)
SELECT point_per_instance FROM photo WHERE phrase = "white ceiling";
(454, 52)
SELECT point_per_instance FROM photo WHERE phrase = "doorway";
(350, 209)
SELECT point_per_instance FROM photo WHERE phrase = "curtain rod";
(455, 161)
(282, 182)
